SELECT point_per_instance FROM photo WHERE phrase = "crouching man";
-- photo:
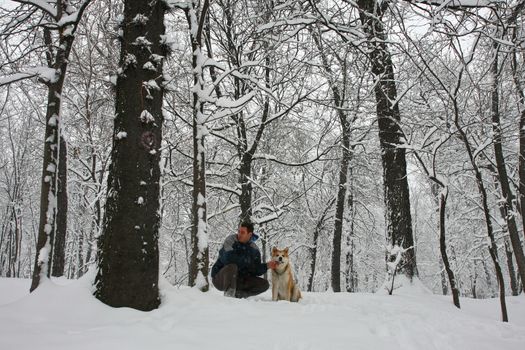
(239, 263)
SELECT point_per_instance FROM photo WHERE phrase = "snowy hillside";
(62, 315)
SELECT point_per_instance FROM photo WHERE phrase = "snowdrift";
(63, 315)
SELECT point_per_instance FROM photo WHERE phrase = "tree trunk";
(340, 207)
(514, 286)
(396, 191)
(508, 248)
(346, 156)
(351, 273)
(199, 265)
(313, 257)
(59, 251)
(50, 166)
(507, 207)
(245, 173)
(128, 256)
(315, 240)
(517, 77)
(493, 250)
(443, 248)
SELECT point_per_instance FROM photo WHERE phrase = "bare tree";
(397, 199)
(59, 20)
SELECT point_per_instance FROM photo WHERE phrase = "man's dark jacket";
(246, 256)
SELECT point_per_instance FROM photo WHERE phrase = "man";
(239, 263)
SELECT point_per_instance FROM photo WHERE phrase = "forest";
(375, 139)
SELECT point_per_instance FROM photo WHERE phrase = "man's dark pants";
(227, 279)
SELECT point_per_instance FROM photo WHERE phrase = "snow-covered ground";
(62, 315)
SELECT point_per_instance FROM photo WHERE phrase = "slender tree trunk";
(508, 247)
(517, 75)
(313, 257)
(443, 247)
(315, 241)
(396, 191)
(245, 173)
(340, 206)
(128, 255)
(346, 156)
(48, 193)
(80, 255)
(514, 286)
(493, 250)
(59, 251)
(444, 285)
(351, 273)
(507, 207)
(57, 56)
(199, 265)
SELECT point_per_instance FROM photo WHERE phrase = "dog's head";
(281, 256)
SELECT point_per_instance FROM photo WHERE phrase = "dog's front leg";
(274, 291)
(289, 290)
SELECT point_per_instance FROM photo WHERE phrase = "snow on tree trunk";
(128, 255)
(199, 265)
(507, 202)
(50, 166)
(59, 251)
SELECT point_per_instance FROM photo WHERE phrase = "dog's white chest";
(282, 284)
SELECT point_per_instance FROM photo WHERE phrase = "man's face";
(244, 236)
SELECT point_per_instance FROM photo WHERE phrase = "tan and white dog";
(283, 283)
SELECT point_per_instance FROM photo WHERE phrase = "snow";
(46, 6)
(45, 74)
(121, 135)
(63, 315)
(464, 3)
(141, 41)
(140, 19)
(146, 117)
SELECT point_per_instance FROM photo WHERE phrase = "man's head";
(245, 232)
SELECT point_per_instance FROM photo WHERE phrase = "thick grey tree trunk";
(128, 256)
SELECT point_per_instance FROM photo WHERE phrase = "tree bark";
(514, 286)
(48, 193)
(443, 247)
(396, 191)
(517, 77)
(59, 251)
(315, 240)
(340, 204)
(507, 205)
(128, 256)
(199, 264)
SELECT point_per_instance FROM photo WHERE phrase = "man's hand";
(272, 264)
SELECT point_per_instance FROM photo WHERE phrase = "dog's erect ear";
(286, 250)
(274, 249)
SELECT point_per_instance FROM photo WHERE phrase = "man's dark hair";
(247, 224)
